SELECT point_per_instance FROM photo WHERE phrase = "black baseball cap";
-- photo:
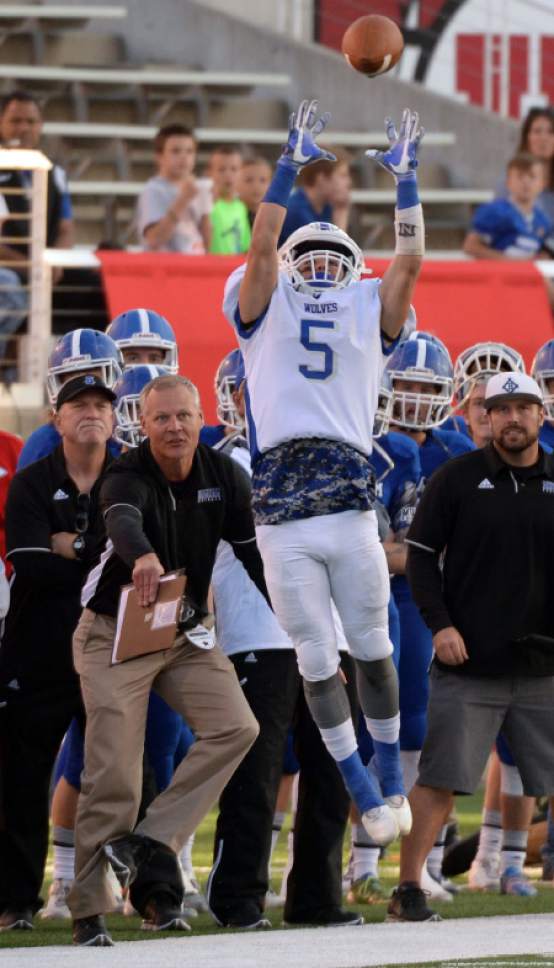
(83, 384)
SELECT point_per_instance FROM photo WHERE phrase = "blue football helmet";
(431, 338)
(419, 361)
(145, 329)
(81, 351)
(480, 362)
(228, 378)
(319, 257)
(127, 410)
(542, 370)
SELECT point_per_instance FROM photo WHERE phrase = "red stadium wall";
(462, 302)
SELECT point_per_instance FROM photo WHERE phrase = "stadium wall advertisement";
(462, 302)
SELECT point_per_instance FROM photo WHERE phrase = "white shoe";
(433, 888)
(484, 874)
(381, 824)
(194, 899)
(56, 907)
(400, 806)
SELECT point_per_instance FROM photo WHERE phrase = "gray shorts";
(464, 717)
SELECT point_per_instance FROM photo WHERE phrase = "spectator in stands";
(173, 212)
(229, 216)
(21, 127)
(323, 195)
(513, 227)
(255, 176)
(537, 138)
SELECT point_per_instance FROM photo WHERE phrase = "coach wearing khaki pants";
(166, 505)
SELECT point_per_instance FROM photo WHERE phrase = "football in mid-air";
(372, 44)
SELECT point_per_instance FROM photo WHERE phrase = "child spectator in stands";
(229, 217)
(173, 211)
(513, 227)
(255, 176)
(537, 138)
(323, 195)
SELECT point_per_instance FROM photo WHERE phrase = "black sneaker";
(328, 918)
(408, 904)
(126, 854)
(161, 914)
(247, 923)
(16, 920)
(91, 932)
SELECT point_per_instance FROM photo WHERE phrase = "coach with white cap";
(488, 516)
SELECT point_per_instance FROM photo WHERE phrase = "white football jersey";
(313, 364)
(244, 621)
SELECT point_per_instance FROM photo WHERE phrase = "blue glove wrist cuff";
(282, 182)
(406, 188)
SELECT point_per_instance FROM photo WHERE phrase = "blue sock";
(360, 784)
(386, 763)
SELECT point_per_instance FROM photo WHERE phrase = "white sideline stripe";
(356, 947)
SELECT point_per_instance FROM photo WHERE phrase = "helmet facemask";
(421, 411)
(127, 428)
(227, 412)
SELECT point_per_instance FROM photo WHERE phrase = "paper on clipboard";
(142, 631)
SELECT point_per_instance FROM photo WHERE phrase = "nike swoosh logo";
(300, 156)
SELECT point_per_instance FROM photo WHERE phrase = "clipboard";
(142, 631)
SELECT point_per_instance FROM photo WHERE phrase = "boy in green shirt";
(229, 216)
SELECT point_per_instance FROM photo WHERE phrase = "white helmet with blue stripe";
(319, 257)
(127, 406)
(82, 351)
(423, 362)
(145, 329)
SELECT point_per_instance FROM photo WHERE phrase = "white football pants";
(314, 561)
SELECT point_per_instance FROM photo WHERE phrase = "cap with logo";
(512, 385)
(83, 384)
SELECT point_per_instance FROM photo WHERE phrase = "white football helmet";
(319, 257)
(480, 362)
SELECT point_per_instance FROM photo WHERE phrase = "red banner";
(462, 302)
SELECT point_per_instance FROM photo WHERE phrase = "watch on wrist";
(79, 545)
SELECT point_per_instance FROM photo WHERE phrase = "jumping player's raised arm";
(260, 277)
(400, 159)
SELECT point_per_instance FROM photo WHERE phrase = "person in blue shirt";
(542, 370)
(419, 373)
(478, 362)
(513, 227)
(395, 461)
(323, 195)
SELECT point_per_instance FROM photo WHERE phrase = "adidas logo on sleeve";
(485, 485)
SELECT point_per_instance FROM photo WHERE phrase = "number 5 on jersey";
(327, 363)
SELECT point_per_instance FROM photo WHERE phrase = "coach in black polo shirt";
(53, 527)
(166, 504)
(490, 516)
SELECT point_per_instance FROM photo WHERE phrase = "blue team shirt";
(503, 226)
(300, 211)
(397, 486)
(44, 440)
(211, 434)
(439, 446)
(546, 436)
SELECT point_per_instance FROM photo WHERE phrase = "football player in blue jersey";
(311, 332)
(542, 369)
(144, 336)
(420, 376)
(395, 460)
(478, 363)
(229, 393)
(78, 352)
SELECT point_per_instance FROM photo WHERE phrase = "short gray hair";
(169, 382)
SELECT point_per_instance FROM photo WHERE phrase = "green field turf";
(466, 905)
